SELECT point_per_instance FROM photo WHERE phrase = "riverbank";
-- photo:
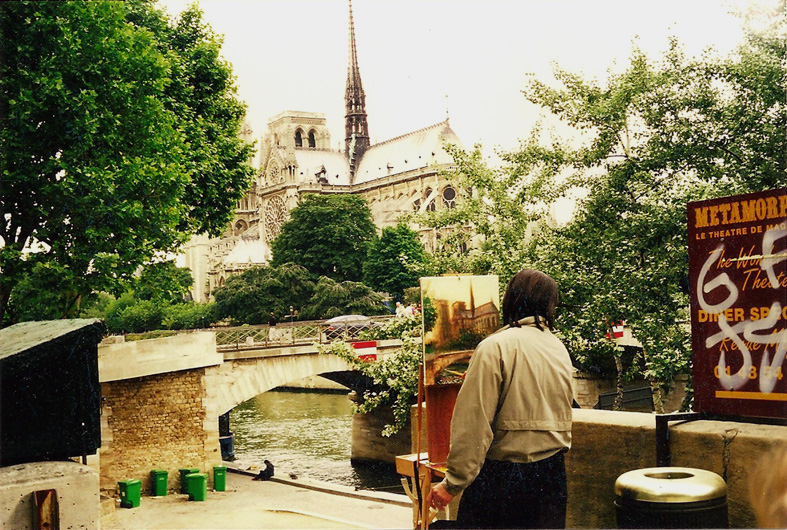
(277, 503)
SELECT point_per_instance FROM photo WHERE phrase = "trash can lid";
(670, 485)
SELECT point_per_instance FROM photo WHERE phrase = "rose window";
(449, 197)
(275, 215)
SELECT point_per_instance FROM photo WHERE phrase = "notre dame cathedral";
(397, 176)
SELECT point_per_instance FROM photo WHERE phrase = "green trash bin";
(184, 487)
(197, 486)
(130, 491)
(219, 478)
(158, 482)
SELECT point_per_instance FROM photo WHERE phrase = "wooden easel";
(418, 472)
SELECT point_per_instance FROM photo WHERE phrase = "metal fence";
(265, 336)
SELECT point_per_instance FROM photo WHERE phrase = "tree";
(249, 297)
(327, 234)
(163, 281)
(333, 298)
(202, 95)
(395, 261)
(109, 153)
(651, 139)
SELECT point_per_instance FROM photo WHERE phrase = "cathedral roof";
(247, 251)
(411, 151)
(313, 164)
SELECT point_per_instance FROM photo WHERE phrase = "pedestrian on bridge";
(272, 320)
(512, 419)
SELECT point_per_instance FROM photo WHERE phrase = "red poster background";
(737, 249)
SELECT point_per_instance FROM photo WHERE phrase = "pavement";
(272, 504)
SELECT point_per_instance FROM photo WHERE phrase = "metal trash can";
(130, 492)
(184, 487)
(197, 486)
(158, 482)
(671, 497)
(219, 478)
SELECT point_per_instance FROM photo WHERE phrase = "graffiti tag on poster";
(738, 276)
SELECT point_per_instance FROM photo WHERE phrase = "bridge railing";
(263, 335)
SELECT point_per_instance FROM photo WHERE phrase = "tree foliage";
(163, 281)
(395, 261)
(651, 138)
(249, 297)
(118, 141)
(332, 298)
(395, 379)
(327, 234)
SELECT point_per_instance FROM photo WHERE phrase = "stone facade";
(155, 422)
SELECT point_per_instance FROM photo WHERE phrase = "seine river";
(308, 434)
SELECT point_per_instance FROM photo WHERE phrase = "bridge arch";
(238, 380)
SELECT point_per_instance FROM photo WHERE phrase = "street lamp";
(292, 329)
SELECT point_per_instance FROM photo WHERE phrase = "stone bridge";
(162, 398)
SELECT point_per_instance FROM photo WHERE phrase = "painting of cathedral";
(398, 176)
(466, 310)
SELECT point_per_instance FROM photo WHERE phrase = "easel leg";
(426, 486)
(408, 489)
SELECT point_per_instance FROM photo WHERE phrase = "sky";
(423, 60)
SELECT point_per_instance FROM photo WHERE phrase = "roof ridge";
(411, 133)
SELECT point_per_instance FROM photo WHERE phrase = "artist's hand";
(438, 497)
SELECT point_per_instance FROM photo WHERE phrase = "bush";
(189, 315)
(141, 316)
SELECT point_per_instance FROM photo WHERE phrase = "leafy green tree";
(653, 137)
(328, 234)
(249, 297)
(202, 94)
(163, 281)
(118, 141)
(333, 298)
(396, 260)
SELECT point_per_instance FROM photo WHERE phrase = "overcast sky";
(422, 58)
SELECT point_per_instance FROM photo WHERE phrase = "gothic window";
(275, 215)
(430, 206)
(312, 140)
(417, 204)
(449, 197)
(298, 138)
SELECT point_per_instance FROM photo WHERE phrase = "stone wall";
(606, 444)
(588, 388)
(76, 488)
(156, 422)
(368, 443)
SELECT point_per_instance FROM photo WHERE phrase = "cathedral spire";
(355, 125)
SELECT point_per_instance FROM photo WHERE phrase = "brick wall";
(155, 422)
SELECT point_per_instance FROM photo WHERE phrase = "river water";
(305, 433)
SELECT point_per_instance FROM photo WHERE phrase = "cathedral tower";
(355, 125)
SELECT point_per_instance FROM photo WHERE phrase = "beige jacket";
(514, 405)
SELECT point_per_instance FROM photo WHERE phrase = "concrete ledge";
(76, 488)
(607, 444)
(141, 358)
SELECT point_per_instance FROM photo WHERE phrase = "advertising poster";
(458, 312)
(738, 282)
